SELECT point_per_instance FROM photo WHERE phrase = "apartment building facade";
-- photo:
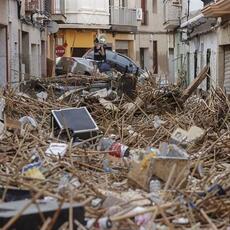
(23, 30)
(152, 38)
(116, 20)
(200, 38)
(82, 21)
(221, 11)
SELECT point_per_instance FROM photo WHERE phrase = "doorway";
(25, 54)
(171, 65)
(155, 58)
(35, 60)
(43, 58)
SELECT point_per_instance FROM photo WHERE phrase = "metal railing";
(123, 16)
(59, 7)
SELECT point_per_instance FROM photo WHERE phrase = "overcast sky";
(195, 4)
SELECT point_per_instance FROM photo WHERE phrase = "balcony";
(59, 11)
(172, 9)
(123, 19)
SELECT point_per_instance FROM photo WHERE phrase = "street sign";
(60, 51)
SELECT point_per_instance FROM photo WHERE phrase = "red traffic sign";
(60, 51)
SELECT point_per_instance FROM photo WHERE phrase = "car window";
(89, 54)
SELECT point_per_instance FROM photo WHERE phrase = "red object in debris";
(60, 51)
(119, 150)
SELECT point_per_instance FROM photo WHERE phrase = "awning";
(217, 9)
(192, 20)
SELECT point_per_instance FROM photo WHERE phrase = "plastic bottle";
(154, 186)
(106, 166)
(113, 147)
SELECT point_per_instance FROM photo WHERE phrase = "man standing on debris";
(99, 51)
(100, 56)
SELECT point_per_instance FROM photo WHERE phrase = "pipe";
(188, 13)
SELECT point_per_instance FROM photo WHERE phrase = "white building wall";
(4, 12)
(87, 12)
(207, 41)
(13, 43)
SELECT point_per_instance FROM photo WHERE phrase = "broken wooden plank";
(194, 84)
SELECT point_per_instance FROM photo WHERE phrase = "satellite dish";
(102, 38)
(52, 27)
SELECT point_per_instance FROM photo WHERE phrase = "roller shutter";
(227, 69)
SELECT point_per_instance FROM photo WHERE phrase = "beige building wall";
(152, 39)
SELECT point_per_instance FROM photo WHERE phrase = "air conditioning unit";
(139, 14)
(176, 2)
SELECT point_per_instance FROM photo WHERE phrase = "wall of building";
(150, 33)
(26, 47)
(87, 12)
(3, 42)
(205, 42)
(4, 12)
(185, 57)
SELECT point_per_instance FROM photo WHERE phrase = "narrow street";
(114, 114)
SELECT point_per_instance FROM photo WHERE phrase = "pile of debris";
(113, 153)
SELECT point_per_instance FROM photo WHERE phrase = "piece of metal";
(31, 218)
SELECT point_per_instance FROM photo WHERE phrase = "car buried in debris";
(73, 65)
(118, 62)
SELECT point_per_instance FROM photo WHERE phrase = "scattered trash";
(96, 202)
(132, 107)
(157, 122)
(183, 137)
(105, 223)
(27, 121)
(57, 149)
(76, 121)
(181, 220)
(33, 171)
(31, 217)
(154, 186)
(108, 105)
(106, 166)
(142, 220)
(42, 96)
(68, 184)
(163, 175)
(113, 147)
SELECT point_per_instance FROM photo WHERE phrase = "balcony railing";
(59, 7)
(123, 16)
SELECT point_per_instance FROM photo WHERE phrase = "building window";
(144, 12)
(154, 2)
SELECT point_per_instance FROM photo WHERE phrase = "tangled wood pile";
(203, 203)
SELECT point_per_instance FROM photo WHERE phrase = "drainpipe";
(188, 13)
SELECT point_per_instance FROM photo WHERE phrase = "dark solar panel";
(75, 119)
